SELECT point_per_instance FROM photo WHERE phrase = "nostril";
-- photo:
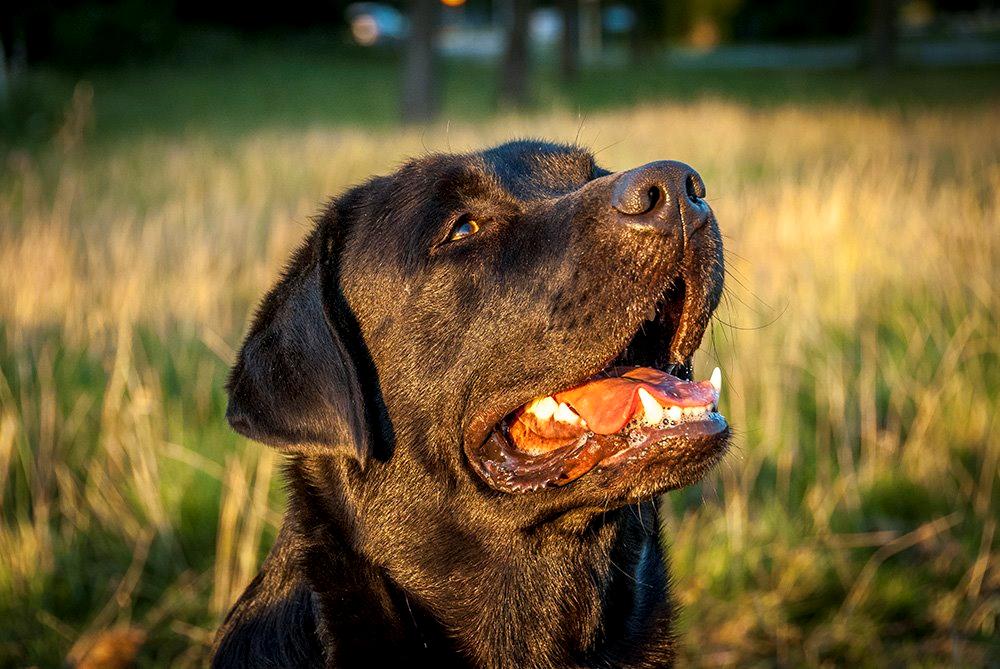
(694, 186)
(654, 195)
(689, 186)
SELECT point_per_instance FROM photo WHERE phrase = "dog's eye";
(464, 227)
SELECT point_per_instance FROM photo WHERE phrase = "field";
(855, 522)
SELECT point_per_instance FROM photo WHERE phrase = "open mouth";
(633, 403)
(640, 411)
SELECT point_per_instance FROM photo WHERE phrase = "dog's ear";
(295, 384)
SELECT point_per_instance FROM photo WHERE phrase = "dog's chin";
(639, 427)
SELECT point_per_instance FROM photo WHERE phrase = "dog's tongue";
(608, 404)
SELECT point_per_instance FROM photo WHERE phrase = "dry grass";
(855, 520)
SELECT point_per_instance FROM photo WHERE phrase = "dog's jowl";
(479, 368)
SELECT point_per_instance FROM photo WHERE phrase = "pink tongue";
(608, 404)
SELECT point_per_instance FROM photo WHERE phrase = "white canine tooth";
(674, 413)
(651, 409)
(564, 414)
(716, 380)
(544, 407)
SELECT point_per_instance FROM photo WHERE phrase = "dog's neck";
(575, 591)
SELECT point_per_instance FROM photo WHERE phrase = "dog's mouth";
(640, 411)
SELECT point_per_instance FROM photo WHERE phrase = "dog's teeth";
(651, 313)
(564, 414)
(543, 408)
(674, 413)
(652, 411)
(716, 381)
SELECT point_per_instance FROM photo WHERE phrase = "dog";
(479, 368)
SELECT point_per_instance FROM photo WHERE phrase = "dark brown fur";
(383, 354)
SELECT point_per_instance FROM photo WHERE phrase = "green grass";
(143, 216)
(225, 87)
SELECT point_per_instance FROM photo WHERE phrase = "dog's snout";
(662, 194)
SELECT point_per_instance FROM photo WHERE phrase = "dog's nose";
(661, 195)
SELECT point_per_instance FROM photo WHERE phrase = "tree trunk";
(514, 73)
(569, 52)
(649, 30)
(883, 35)
(3, 73)
(420, 70)
(590, 27)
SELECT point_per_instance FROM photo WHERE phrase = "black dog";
(480, 368)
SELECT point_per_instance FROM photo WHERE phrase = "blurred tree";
(81, 33)
(650, 29)
(514, 70)
(287, 15)
(569, 49)
(793, 20)
(75, 34)
(420, 68)
(3, 72)
(882, 35)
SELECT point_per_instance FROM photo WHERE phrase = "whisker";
(613, 144)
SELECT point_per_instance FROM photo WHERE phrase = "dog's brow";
(530, 170)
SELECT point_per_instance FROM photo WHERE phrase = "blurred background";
(159, 159)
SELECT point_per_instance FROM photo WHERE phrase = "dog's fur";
(379, 362)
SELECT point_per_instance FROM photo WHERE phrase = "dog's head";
(518, 320)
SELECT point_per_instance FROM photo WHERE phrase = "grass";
(855, 521)
(224, 87)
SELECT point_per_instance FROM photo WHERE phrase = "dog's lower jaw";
(567, 593)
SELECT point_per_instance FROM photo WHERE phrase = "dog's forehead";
(529, 169)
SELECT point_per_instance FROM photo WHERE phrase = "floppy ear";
(295, 383)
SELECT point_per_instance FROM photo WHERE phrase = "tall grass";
(855, 520)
